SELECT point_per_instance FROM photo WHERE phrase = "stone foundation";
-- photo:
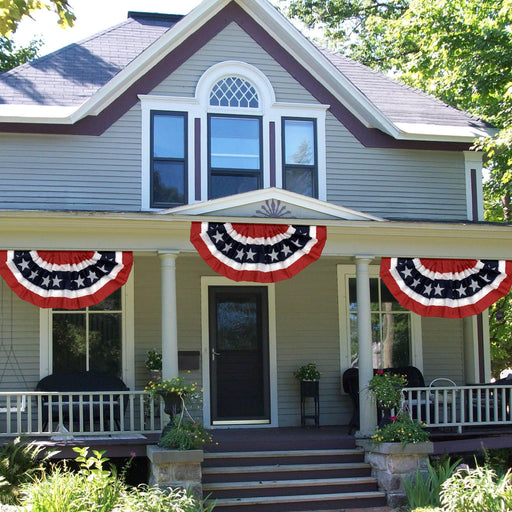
(176, 468)
(392, 463)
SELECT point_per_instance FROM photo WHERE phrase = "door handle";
(214, 354)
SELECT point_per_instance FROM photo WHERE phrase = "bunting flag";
(258, 253)
(446, 288)
(65, 279)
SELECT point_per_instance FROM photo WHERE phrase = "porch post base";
(392, 463)
(176, 469)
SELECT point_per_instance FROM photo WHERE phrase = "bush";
(145, 499)
(477, 490)
(185, 434)
(424, 491)
(19, 463)
(403, 429)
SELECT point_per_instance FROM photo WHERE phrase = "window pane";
(387, 298)
(69, 343)
(300, 181)
(168, 183)
(237, 325)
(168, 136)
(299, 142)
(227, 185)
(234, 143)
(111, 303)
(374, 293)
(396, 339)
(105, 343)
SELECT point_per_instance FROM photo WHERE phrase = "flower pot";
(155, 375)
(309, 388)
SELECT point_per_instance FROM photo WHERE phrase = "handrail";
(84, 413)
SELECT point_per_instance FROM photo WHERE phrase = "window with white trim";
(396, 331)
(89, 338)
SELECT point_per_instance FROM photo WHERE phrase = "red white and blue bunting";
(65, 279)
(260, 253)
(446, 288)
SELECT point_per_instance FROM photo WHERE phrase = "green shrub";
(19, 463)
(149, 499)
(477, 490)
(424, 490)
(403, 429)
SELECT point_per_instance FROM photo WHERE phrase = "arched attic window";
(234, 91)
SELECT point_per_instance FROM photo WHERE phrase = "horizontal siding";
(233, 44)
(19, 342)
(62, 172)
(307, 330)
(393, 183)
(443, 349)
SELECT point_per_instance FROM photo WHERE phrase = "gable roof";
(272, 203)
(86, 78)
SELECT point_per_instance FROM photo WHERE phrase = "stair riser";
(286, 475)
(289, 490)
(306, 505)
(263, 461)
(269, 444)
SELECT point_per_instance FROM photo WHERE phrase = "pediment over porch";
(270, 203)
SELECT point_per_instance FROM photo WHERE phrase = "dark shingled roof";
(70, 76)
(74, 73)
(399, 102)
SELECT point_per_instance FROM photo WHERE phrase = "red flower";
(393, 419)
(380, 372)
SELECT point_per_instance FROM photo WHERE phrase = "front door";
(239, 355)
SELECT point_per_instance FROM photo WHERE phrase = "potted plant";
(387, 390)
(153, 364)
(308, 375)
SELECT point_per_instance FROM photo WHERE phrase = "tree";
(457, 50)
(13, 11)
(11, 56)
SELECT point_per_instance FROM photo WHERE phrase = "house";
(165, 139)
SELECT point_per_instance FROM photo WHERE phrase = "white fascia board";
(46, 114)
(432, 132)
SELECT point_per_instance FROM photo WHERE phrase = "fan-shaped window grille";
(233, 91)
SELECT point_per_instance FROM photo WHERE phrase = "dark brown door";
(239, 369)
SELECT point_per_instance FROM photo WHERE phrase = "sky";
(92, 16)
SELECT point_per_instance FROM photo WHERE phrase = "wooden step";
(297, 503)
(224, 490)
(285, 471)
(282, 457)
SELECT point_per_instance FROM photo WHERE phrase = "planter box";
(392, 463)
(176, 469)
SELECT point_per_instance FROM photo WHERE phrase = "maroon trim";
(96, 125)
(197, 157)
(272, 151)
(480, 343)
(474, 196)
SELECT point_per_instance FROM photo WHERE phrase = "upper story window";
(232, 137)
(234, 91)
(168, 159)
(300, 156)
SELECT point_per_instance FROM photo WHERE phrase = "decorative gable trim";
(292, 51)
(270, 203)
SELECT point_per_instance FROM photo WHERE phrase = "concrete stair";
(290, 480)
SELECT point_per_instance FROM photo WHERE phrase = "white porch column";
(169, 315)
(367, 408)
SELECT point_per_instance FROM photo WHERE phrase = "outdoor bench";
(350, 383)
(86, 408)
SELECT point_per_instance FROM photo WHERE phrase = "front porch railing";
(80, 413)
(460, 406)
